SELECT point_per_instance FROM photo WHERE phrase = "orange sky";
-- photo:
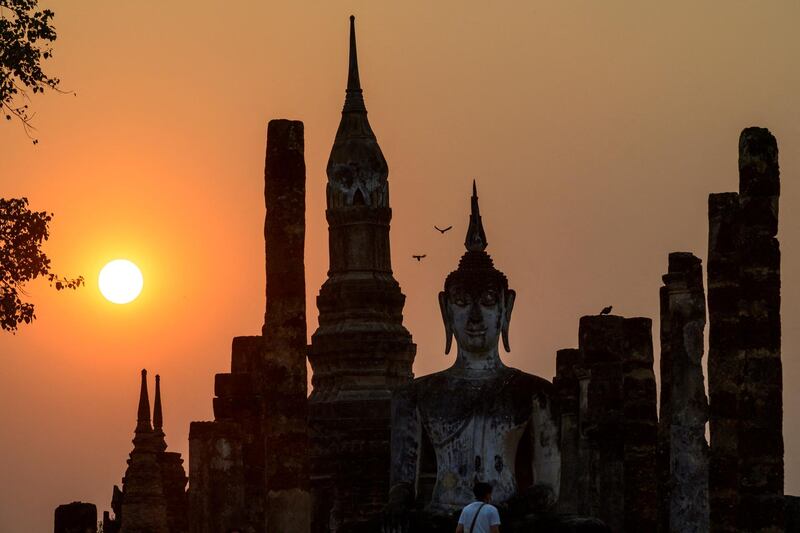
(595, 130)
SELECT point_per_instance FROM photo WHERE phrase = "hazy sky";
(595, 130)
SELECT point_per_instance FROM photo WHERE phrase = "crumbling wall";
(217, 489)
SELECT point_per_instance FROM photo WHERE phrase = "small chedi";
(153, 497)
(372, 449)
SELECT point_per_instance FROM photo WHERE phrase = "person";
(480, 516)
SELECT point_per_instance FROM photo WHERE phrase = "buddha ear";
(507, 308)
(448, 330)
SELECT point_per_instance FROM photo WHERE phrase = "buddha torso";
(475, 424)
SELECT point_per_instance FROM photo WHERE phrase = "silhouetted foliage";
(22, 233)
(25, 37)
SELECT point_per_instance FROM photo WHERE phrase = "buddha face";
(476, 317)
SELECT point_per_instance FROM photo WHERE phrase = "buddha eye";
(489, 298)
(460, 299)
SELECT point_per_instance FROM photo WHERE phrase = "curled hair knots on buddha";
(476, 273)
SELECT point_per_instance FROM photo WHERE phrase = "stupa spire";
(158, 419)
(476, 237)
(354, 99)
(357, 171)
(143, 417)
(353, 81)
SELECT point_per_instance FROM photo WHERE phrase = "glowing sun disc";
(120, 281)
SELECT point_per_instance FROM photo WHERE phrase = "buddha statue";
(479, 420)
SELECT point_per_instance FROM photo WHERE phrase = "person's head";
(482, 491)
(476, 303)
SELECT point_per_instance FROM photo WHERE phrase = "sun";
(120, 281)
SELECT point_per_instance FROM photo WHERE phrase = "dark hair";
(481, 490)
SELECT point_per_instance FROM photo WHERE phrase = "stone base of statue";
(539, 522)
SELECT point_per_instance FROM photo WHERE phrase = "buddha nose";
(475, 314)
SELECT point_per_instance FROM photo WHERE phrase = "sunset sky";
(595, 130)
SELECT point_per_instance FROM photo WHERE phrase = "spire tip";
(476, 237)
(354, 101)
(143, 414)
(158, 418)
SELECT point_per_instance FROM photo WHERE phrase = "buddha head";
(476, 302)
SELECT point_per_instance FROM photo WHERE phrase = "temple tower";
(361, 351)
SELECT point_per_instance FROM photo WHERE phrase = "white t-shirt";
(488, 517)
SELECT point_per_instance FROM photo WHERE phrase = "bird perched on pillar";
(606, 310)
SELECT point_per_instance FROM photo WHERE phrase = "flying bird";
(440, 230)
(606, 310)
(419, 257)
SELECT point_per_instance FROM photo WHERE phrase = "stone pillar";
(724, 360)
(745, 373)
(76, 517)
(566, 384)
(600, 343)
(761, 505)
(617, 422)
(639, 426)
(284, 380)
(683, 452)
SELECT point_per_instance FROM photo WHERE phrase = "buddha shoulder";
(449, 382)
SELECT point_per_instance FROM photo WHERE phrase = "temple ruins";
(369, 448)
